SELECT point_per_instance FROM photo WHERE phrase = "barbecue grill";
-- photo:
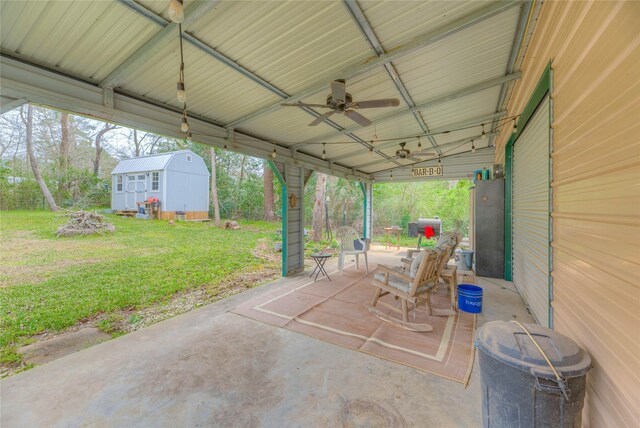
(435, 223)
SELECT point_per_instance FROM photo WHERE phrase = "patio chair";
(448, 274)
(411, 288)
(351, 244)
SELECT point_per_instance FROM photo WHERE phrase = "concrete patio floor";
(209, 367)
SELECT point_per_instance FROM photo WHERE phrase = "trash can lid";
(508, 343)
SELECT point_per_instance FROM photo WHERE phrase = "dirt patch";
(57, 347)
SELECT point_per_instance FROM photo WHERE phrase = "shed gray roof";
(155, 162)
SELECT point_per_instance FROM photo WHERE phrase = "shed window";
(155, 180)
(141, 177)
(132, 178)
(119, 183)
(188, 158)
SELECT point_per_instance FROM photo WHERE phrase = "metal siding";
(471, 56)
(456, 167)
(295, 220)
(143, 163)
(530, 210)
(84, 38)
(292, 44)
(186, 192)
(179, 163)
(596, 191)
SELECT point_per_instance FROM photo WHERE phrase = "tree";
(98, 146)
(269, 196)
(214, 189)
(318, 204)
(28, 122)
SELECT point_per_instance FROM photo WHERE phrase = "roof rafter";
(417, 43)
(452, 143)
(196, 10)
(367, 31)
(468, 90)
(193, 13)
(476, 121)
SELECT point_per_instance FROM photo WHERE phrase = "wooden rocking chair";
(411, 288)
(448, 274)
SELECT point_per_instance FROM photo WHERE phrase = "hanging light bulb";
(373, 179)
(483, 137)
(184, 127)
(189, 137)
(181, 94)
(274, 153)
(515, 126)
(439, 161)
(176, 11)
(473, 147)
(391, 176)
(419, 143)
(324, 152)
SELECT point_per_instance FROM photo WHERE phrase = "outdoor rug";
(336, 311)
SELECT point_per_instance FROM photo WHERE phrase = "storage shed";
(179, 180)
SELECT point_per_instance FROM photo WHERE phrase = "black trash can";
(519, 388)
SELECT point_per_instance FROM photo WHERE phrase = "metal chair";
(351, 244)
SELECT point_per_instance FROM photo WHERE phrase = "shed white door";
(136, 190)
(530, 210)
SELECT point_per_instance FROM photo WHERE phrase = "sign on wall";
(427, 171)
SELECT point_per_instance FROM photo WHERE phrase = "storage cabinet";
(487, 227)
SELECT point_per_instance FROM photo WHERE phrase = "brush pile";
(85, 223)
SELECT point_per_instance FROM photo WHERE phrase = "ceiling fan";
(340, 101)
(404, 153)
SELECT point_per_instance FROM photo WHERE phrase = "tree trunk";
(98, 145)
(136, 142)
(32, 159)
(269, 197)
(318, 204)
(65, 150)
(214, 189)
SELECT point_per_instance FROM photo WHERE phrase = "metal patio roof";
(450, 64)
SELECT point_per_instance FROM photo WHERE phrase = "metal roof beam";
(476, 121)
(367, 31)
(443, 146)
(469, 90)
(160, 40)
(419, 42)
(8, 104)
(49, 88)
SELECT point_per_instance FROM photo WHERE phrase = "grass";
(405, 241)
(50, 284)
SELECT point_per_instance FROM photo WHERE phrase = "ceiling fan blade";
(304, 105)
(319, 119)
(413, 158)
(424, 153)
(386, 102)
(357, 117)
(338, 90)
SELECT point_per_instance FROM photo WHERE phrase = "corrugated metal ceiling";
(293, 46)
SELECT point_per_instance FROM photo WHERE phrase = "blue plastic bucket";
(470, 298)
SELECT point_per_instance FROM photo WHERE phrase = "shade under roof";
(451, 62)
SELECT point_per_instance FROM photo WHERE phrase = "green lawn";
(49, 284)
